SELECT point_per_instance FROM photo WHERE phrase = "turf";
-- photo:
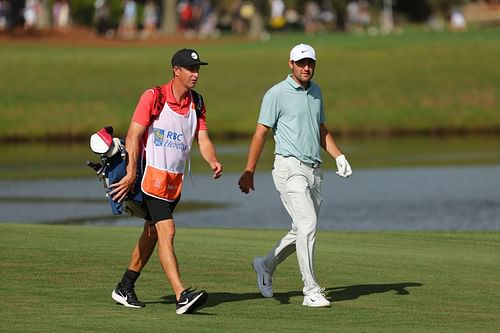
(419, 82)
(59, 279)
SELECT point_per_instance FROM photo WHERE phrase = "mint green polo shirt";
(294, 114)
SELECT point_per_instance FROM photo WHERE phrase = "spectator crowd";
(132, 19)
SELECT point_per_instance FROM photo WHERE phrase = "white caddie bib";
(170, 138)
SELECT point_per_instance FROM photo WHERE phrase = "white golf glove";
(344, 168)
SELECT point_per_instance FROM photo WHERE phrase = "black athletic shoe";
(190, 300)
(126, 297)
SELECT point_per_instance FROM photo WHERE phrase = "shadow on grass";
(347, 293)
(334, 294)
(164, 300)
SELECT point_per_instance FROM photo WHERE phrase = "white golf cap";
(302, 51)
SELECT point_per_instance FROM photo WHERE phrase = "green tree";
(169, 17)
(44, 19)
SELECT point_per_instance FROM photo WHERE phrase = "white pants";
(299, 187)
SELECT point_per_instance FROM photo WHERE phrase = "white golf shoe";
(264, 278)
(316, 299)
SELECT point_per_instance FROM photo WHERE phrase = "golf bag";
(112, 168)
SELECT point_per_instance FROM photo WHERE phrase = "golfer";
(293, 111)
(163, 141)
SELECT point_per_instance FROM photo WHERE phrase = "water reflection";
(23, 161)
(445, 198)
(398, 184)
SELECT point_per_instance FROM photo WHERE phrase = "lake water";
(401, 183)
(423, 198)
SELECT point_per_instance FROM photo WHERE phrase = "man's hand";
(246, 182)
(344, 168)
(123, 187)
(217, 169)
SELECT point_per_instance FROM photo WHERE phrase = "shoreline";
(230, 136)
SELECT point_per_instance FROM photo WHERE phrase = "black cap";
(186, 58)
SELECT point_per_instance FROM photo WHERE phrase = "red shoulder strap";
(159, 102)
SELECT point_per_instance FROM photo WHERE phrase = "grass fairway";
(59, 279)
(418, 82)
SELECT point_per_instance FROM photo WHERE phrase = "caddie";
(165, 123)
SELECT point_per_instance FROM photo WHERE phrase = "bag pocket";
(162, 184)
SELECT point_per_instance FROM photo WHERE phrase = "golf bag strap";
(198, 102)
(159, 102)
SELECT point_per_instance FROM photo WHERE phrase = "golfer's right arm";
(256, 146)
(133, 147)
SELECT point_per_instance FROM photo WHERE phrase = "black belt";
(314, 165)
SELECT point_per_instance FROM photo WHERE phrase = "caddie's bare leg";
(166, 253)
(144, 247)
